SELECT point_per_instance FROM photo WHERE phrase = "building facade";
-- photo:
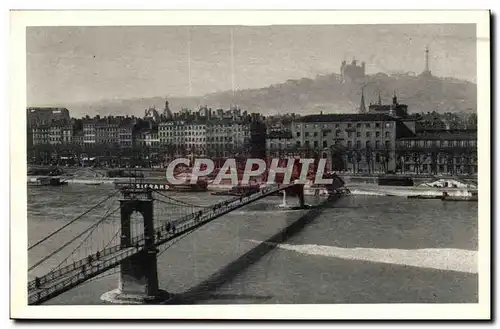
(439, 152)
(125, 135)
(41, 134)
(148, 138)
(280, 144)
(89, 133)
(60, 134)
(355, 143)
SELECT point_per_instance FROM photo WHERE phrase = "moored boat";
(426, 197)
(45, 181)
(466, 196)
(239, 190)
(93, 183)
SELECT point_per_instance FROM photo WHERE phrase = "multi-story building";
(89, 133)
(106, 132)
(225, 137)
(60, 133)
(280, 144)
(219, 134)
(438, 152)
(195, 137)
(41, 134)
(45, 115)
(172, 132)
(351, 142)
(148, 138)
(125, 138)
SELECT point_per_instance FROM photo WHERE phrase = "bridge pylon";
(138, 279)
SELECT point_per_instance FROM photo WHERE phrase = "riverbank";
(368, 187)
(401, 191)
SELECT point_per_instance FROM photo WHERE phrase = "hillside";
(306, 96)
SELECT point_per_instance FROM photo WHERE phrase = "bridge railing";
(87, 273)
(59, 272)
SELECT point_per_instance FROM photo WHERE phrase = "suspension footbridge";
(134, 246)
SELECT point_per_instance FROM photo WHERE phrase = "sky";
(82, 64)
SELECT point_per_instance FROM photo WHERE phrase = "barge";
(45, 181)
(466, 196)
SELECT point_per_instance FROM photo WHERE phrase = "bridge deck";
(65, 278)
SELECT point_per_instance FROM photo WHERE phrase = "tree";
(358, 159)
(416, 162)
(368, 156)
(385, 158)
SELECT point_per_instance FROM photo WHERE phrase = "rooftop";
(346, 117)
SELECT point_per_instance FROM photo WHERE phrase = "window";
(367, 144)
(358, 134)
(377, 134)
(349, 144)
(368, 134)
(377, 145)
(325, 133)
(358, 144)
(387, 144)
(349, 125)
(325, 144)
(358, 125)
(387, 134)
(377, 125)
(306, 134)
(337, 133)
(315, 134)
(349, 134)
(367, 125)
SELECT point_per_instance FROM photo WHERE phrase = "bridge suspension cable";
(180, 202)
(72, 221)
(93, 228)
(71, 241)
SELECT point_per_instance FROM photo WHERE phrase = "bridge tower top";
(132, 193)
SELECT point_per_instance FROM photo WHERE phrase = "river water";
(359, 249)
